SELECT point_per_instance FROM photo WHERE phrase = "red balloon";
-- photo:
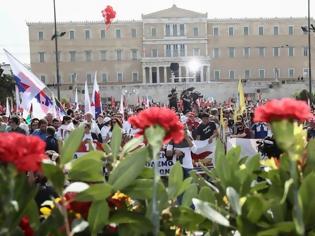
(109, 15)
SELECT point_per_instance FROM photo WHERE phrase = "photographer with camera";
(172, 98)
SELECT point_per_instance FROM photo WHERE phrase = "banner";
(248, 146)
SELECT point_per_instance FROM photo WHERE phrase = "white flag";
(121, 107)
(76, 100)
(28, 84)
(7, 108)
(87, 103)
(17, 99)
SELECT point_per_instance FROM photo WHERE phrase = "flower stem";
(156, 179)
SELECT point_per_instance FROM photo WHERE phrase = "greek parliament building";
(138, 54)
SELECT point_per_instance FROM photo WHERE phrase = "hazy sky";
(15, 13)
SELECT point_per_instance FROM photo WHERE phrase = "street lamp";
(55, 37)
(307, 29)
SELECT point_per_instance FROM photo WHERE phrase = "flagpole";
(56, 53)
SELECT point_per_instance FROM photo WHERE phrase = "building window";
(168, 30)
(290, 51)
(134, 54)
(154, 52)
(275, 51)
(40, 35)
(246, 30)
(118, 34)
(118, 54)
(133, 33)
(305, 72)
(196, 51)
(103, 34)
(231, 52)
(276, 73)
(216, 53)
(261, 74)
(89, 78)
(182, 50)
(43, 78)
(275, 30)
(261, 51)
(153, 32)
(41, 57)
(231, 31)
(246, 52)
(290, 29)
(135, 76)
(175, 32)
(87, 34)
(120, 76)
(261, 30)
(217, 75)
(182, 29)
(291, 73)
(231, 74)
(305, 51)
(88, 55)
(196, 33)
(175, 50)
(247, 74)
(104, 78)
(168, 52)
(215, 31)
(72, 56)
(73, 78)
(71, 35)
(103, 54)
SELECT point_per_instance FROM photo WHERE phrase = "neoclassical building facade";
(141, 52)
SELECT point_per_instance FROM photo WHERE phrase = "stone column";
(187, 74)
(158, 75)
(150, 74)
(165, 74)
(201, 74)
(180, 74)
(144, 78)
(208, 77)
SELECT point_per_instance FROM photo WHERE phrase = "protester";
(51, 141)
(34, 125)
(41, 132)
(207, 129)
(65, 129)
(14, 125)
(88, 117)
(3, 125)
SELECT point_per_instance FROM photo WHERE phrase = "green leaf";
(95, 192)
(187, 218)
(71, 145)
(98, 216)
(204, 209)
(128, 169)
(175, 180)
(140, 189)
(55, 175)
(287, 186)
(107, 148)
(234, 200)
(189, 194)
(282, 227)
(310, 163)
(126, 217)
(88, 168)
(207, 195)
(132, 145)
(78, 226)
(255, 206)
(298, 216)
(306, 196)
(116, 141)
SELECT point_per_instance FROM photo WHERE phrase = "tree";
(6, 87)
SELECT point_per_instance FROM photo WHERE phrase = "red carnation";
(75, 206)
(26, 227)
(163, 117)
(286, 108)
(25, 152)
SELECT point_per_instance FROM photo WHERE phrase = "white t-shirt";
(105, 131)
(64, 131)
(187, 160)
(126, 127)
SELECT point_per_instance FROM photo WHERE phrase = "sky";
(15, 13)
